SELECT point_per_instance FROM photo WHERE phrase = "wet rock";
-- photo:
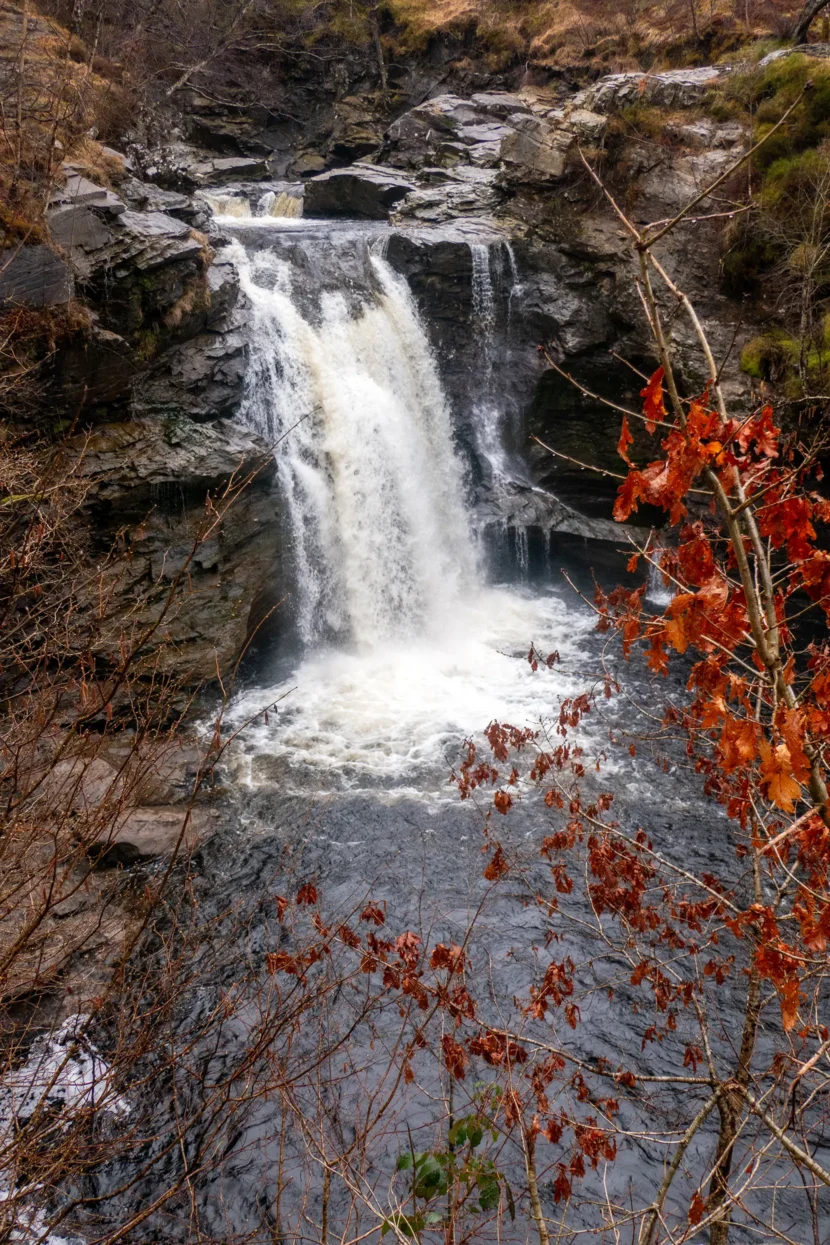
(464, 191)
(363, 190)
(130, 465)
(97, 369)
(149, 479)
(204, 378)
(34, 276)
(519, 505)
(147, 240)
(181, 167)
(145, 197)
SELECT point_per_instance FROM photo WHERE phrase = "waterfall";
(371, 481)
(658, 593)
(280, 204)
(407, 651)
(488, 410)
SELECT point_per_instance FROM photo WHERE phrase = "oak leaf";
(625, 440)
(654, 407)
(777, 779)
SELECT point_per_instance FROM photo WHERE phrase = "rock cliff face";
(158, 372)
(154, 374)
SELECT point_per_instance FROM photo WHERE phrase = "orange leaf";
(697, 1208)
(653, 406)
(788, 997)
(738, 744)
(793, 727)
(777, 779)
(625, 440)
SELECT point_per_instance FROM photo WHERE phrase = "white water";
(407, 650)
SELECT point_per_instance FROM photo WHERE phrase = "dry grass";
(612, 33)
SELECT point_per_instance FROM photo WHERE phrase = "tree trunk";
(811, 11)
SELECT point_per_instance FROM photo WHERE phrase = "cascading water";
(373, 486)
(488, 413)
(406, 650)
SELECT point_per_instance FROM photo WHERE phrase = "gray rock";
(821, 51)
(536, 151)
(499, 103)
(588, 126)
(203, 378)
(150, 478)
(148, 240)
(80, 192)
(184, 168)
(676, 88)
(82, 233)
(145, 197)
(34, 276)
(364, 190)
(146, 833)
(308, 164)
(464, 191)
(96, 370)
(126, 463)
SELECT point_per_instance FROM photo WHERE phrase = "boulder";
(448, 128)
(127, 464)
(81, 233)
(34, 276)
(365, 190)
(146, 197)
(148, 240)
(203, 378)
(308, 164)
(181, 167)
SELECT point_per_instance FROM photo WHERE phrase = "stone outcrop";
(34, 276)
(674, 88)
(149, 478)
(362, 190)
(157, 375)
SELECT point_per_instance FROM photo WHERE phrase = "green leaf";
(475, 1135)
(511, 1205)
(433, 1216)
(408, 1225)
(488, 1194)
(458, 1133)
(404, 1162)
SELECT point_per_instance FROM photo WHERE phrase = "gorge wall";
(507, 245)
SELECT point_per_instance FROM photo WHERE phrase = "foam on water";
(395, 716)
(407, 650)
